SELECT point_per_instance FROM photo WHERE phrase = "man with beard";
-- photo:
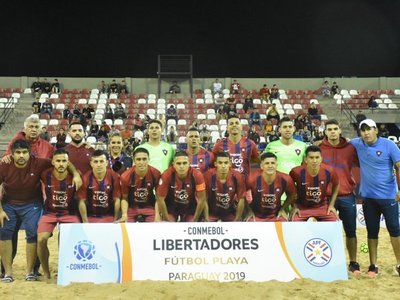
(60, 205)
(199, 157)
(22, 202)
(78, 151)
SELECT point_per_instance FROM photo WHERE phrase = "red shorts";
(147, 213)
(269, 219)
(187, 218)
(103, 219)
(318, 213)
(225, 218)
(49, 221)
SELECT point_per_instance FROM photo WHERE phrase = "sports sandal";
(31, 277)
(7, 279)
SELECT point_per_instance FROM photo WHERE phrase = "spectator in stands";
(119, 112)
(46, 108)
(265, 93)
(138, 123)
(36, 106)
(88, 111)
(372, 102)
(254, 117)
(205, 134)
(36, 87)
(55, 87)
(161, 118)
(273, 114)
(230, 110)
(93, 129)
(45, 134)
(174, 88)
(274, 92)
(220, 113)
(235, 87)
(171, 113)
(268, 128)
(313, 112)
(46, 86)
(172, 136)
(126, 133)
(326, 89)
(272, 137)
(106, 126)
(383, 131)
(299, 121)
(217, 87)
(109, 112)
(67, 114)
(123, 88)
(307, 136)
(127, 147)
(61, 138)
(113, 88)
(76, 112)
(298, 135)
(335, 88)
(360, 116)
(248, 103)
(103, 87)
(253, 135)
(102, 134)
(113, 131)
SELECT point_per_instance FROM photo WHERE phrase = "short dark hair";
(140, 150)
(75, 123)
(331, 122)
(193, 129)
(60, 151)
(156, 121)
(285, 119)
(99, 152)
(180, 153)
(268, 155)
(20, 144)
(232, 116)
(312, 148)
(222, 154)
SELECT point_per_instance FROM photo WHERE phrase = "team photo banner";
(231, 251)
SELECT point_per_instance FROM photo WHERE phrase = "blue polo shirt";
(378, 178)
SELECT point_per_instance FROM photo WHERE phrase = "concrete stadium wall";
(149, 85)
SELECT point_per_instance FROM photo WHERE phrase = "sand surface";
(386, 286)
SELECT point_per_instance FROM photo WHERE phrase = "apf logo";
(84, 250)
(317, 252)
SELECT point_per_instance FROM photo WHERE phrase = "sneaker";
(354, 268)
(372, 271)
(7, 279)
(31, 277)
(397, 270)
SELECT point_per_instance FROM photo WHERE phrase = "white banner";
(230, 251)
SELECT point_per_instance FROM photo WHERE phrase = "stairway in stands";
(332, 110)
(15, 122)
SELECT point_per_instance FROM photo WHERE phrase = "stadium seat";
(392, 106)
(91, 139)
(28, 91)
(113, 96)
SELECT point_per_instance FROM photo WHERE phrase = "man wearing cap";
(379, 188)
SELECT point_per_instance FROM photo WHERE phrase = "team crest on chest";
(165, 151)
(200, 160)
(243, 149)
(378, 153)
(298, 151)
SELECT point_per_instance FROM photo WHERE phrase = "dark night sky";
(264, 38)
